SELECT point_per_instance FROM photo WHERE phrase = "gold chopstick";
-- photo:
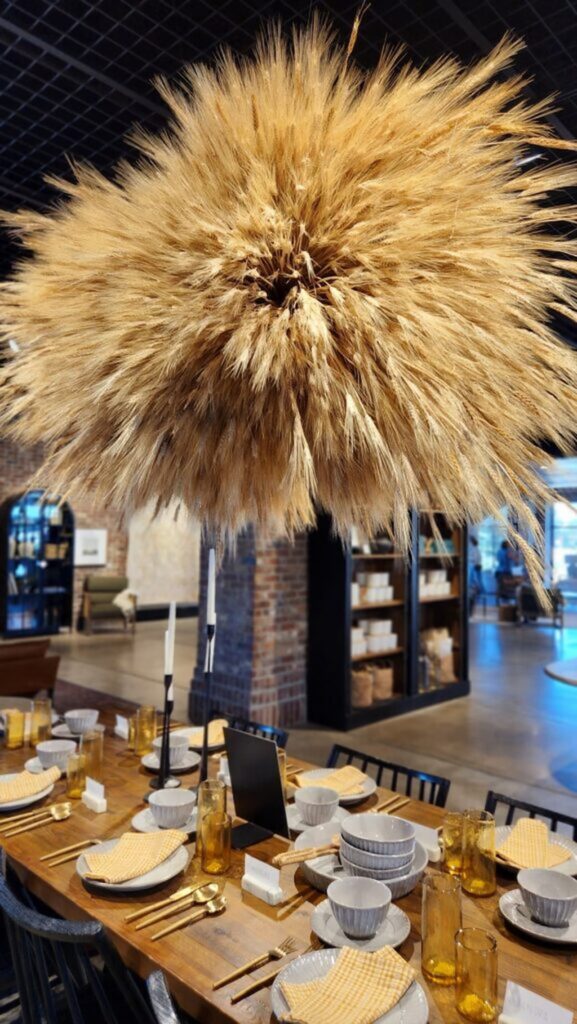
(187, 901)
(66, 849)
(30, 825)
(71, 856)
(189, 919)
(258, 983)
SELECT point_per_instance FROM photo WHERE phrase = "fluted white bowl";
(55, 752)
(550, 896)
(379, 833)
(81, 720)
(387, 875)
(316, 804)
(178, 749)
(171, 808)
(360, 905)
(376, 861)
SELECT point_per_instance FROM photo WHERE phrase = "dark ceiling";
(75, 75)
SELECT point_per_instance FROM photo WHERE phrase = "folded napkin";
(347, 781)
(134, 854)
(27, 784)
(528, 846)
(358, 989)
(215, 734)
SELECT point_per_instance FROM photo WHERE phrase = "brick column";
(260, 658)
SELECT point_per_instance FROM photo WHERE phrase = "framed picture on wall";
(90, 547)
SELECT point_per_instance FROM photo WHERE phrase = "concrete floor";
(516, 732)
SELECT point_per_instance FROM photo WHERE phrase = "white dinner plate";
(516, 913)
(569, 867)
(191, 761)
(296, 823)
(394, 930)
(411, 1009)
(144, 822)
(194, 734)
(25, 801)
(170, 867)
(369, 785)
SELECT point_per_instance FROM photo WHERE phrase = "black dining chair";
(506, 807)
(67, 972)
(161, 1001)
(432, 789)
(268, 732)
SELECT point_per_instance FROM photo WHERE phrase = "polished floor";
(516, 732)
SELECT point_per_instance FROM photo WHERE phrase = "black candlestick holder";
(164, 780)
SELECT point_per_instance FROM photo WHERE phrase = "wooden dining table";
(200, 954)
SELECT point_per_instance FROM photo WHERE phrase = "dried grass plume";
(319, 287)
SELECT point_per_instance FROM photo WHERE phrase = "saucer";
(144, 822)
(296, 823)
(191, 761)
(33, 765)
(394, 930)
(62, 732)
(516, 913)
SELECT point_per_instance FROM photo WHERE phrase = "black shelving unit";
(36, 565)
(333, 568)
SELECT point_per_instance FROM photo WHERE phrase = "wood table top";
(195, 957)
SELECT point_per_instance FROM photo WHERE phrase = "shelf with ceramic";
(392, 554)
(396, 603)
(375, 655)
(438, 597)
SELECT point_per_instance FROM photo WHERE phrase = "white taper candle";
(211, 592)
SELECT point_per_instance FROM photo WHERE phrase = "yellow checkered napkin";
(215, 734)
(347, 781)
(528, 846)
(134, 854)
(27, 784)
(358, 989)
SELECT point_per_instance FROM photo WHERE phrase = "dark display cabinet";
(36, 565)
(387, 634)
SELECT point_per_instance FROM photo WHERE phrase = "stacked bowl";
(382, 847)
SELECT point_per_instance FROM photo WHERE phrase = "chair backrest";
(54, 970)
(432, 789)
(99, 584)
(162, 1005)
(507, 809)
(268, 732)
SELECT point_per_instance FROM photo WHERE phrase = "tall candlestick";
(169, 638)
(211, 592)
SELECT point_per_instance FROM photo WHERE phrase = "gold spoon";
(57, 813)
(213, 907)
(201, 895)
(19, 819)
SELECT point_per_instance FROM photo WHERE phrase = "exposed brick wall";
(260, 658)
(18, 464)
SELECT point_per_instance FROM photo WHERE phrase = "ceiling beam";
(111, 84)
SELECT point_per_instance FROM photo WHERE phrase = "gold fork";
(265, 979)
(287, 946)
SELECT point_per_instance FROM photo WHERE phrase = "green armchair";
(98, 602)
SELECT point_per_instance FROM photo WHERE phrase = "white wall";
(163, 556)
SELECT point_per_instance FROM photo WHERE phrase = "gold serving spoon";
(19, 819)
(215, 906)
(57, 813)
(201, 895)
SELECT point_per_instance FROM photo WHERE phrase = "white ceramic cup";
(550, 896)
(360, 905)
(178, 749)
(316, 804)
(171, 808)
(55, 752)
(81, 720)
